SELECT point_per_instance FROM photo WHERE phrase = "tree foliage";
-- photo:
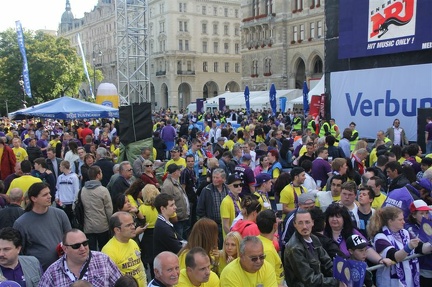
(54, 66)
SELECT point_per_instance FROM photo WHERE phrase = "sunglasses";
(129, 169)
(149, 165)
(256, 258)
(238, 185)
(78, 245)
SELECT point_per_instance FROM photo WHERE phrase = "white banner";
(374, 98)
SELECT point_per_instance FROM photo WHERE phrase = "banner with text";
(378, 27)
(373, 98)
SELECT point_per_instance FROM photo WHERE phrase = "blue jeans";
(182, 228)
(429, 147)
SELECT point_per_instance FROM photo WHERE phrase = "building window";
(214, 11)
(204, 10)
(299, 5)
(320, 30)
(267, 67)
(162, 27)
(236, 14)
(237, 67)
(180, 26)
(317, 3)
(179, 67)
(226, 48)
(161, 8)
(302, 32)
(226, 12)
(236, 31)
(312, 30)
(205, 67)
(204, 28)
(318, 66)
(237, 48)
(226, 27)
(226, 67)
(255, 67)
(204, 47)
(295, 34)
(215, 29)
(181, 45)
(186, 45)
(189, 65)
(269, 7)
(182, 7)
(215, 47)
(215, 66)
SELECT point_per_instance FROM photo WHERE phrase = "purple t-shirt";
(429, 130)
(15, 274)
(320, 170)
(247, 176)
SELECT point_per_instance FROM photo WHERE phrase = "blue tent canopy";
(66, 108)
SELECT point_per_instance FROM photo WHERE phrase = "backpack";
(78, 210)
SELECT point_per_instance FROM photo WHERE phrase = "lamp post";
(99, 54)
(21, 84)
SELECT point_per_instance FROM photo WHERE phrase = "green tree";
(54, 66)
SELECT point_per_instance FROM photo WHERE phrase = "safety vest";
(354, 142)
(222, 119)
(310, 126)
(333, 131)
(297, 126)
(322, 132)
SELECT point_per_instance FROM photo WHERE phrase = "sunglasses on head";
(256, 258)
(149, 165)
(238, 185)
(78, 245)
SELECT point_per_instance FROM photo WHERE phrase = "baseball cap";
(233, 178)
(262, 178)
(173, 168)
(425, 183)
(419, 205)
(356, 242)
(177, 148)
(246, 157)
(9, 283)
(306, 196)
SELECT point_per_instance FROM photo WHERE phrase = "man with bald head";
(9, 214)
(167, 270)
(79, 263)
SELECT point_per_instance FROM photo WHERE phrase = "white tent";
(316, 91)
(258, 99)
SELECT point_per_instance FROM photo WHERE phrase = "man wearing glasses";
(250, 268)
(305, 260)
(79, 263)
(123, 181)
(123, 250)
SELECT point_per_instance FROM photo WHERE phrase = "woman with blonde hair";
(204, 234)
(230, 250)
(149, 193)
(392, 241)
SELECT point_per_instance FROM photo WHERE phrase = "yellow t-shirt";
(127, 257)
(263, 200)
(287, 195)
(229, 144)
(240, 141)
(24, 182)
(20, 153)
(133, 202)
(233, 275)
(181, 162)
(53, 143)
(150, 214)
(378, 201)
(185, 282)
(227, 210)
(273, 258)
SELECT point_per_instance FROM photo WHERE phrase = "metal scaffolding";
(132, 30)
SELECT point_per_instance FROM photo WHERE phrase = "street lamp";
(21, 83)
(99, 54)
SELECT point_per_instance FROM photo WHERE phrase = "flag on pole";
(305, 98)
(25, 70)
(272, 96)
(246, 95)
(84, 64)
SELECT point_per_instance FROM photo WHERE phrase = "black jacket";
(106, 166)
(302, 268)
(165, 238)
(160, 147)
(9, 214)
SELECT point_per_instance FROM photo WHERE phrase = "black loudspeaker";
(135, 123)
(422, 114)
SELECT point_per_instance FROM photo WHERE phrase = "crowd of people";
(223, 199)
